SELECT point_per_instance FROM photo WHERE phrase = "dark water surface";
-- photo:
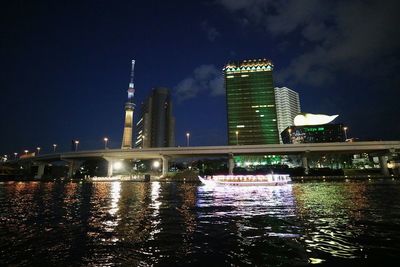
(175, 224)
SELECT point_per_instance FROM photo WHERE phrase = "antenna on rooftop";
(131, 90)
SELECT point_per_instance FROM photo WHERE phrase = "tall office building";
(156, 125)
(287, 107)
(250, 99)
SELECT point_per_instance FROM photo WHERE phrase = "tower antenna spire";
(131, 90)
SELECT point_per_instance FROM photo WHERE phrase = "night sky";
(65, 64)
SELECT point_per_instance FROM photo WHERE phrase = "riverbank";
(194, 179)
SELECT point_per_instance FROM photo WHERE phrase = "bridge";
(380, 148)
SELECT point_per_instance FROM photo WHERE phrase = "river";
(186, 224)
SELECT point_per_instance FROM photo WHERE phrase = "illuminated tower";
(250, 99)
(129, 108)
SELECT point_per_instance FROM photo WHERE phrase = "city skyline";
(67, 79)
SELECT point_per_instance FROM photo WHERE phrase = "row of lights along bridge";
(105, 139)
(76, 144)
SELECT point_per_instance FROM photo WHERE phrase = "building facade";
(326, 133)
(287, 107)
(250, 99)
(156, 124)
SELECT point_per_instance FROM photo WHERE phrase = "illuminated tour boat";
(268, 179)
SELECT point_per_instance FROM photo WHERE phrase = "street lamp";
(345, 132)
(76, 145)
(26, 152)
(143, 137)
(156, 164)
(54, 148)
(38, 150)
(187, 139)
(237, 137)
(105, 142)
(15, 155)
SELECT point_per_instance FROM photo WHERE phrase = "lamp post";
(38, 150)
(105, 142)
(345, 132)
(187, 139)
(15, 155)
(54, 148)
(26, 152)
(237, 137)
(76, 145)
(143, 137)
(290, 135)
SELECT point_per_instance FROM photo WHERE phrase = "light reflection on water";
(175, 224)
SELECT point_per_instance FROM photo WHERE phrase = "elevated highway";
(380, 148)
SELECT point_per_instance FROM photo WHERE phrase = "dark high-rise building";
(250, 99)
(156, 125)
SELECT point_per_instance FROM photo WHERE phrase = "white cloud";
(205, 78)
(350, 36)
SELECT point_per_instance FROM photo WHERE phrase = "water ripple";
(168, 224)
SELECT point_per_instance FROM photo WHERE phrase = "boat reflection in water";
(246, 200)
(255, 217)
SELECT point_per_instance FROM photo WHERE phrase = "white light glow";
(117, 165)
(156, 164)
(313, 119)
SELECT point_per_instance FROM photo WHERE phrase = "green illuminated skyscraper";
(250, 99)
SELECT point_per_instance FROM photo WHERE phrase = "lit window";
(139, 121)
(244, 75)
(257, 110)
(230, 76)
(239, 126)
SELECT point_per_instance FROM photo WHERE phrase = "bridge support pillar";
(231, 163)
(165, 165)
(110, 163)
(73, 166)
(383, 163)
(40, 170)
(304, 161)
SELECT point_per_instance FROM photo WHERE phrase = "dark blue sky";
(65, 64)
